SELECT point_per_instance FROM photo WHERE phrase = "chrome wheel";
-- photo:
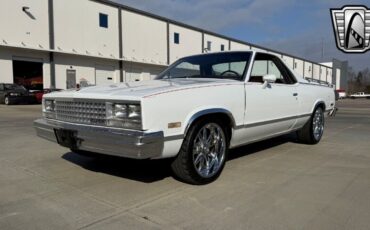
(209, 149)
(318, 124)
(6, 101)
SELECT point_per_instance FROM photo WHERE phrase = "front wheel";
(312, 132)
(203, 153)
(7, 101)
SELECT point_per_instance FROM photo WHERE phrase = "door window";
(260, 68)
(268, 64)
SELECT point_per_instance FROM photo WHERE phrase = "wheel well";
(322, 105)
(227, 122)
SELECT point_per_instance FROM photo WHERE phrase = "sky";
(297, 27)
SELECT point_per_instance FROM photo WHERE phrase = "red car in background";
(40, 93)
(35, 87)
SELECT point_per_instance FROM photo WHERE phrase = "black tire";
(184, 167)
(7, 101)
(306, 135)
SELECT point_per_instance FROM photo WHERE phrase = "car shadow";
(146, 171)
(150, 171)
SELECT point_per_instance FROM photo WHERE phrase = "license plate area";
(66, 138)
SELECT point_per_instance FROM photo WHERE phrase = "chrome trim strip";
(174, 138)
(318, 84)
(271, 121)
(178, 137)
(94, 100)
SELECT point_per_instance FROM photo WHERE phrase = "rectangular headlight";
(134, 111)
(48, 105)
(120, 111)
(123, 115)
(48, 108)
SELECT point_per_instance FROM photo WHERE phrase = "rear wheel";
(203, 153)
(312, 132)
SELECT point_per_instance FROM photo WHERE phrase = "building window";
(222, 47)
(295, 65)
(209, 46)
(103, 20)
(177, 38)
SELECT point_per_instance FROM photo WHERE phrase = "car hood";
(137, 90)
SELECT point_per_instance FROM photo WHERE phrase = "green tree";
(359, 79)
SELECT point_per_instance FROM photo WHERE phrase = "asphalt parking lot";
(275, 184)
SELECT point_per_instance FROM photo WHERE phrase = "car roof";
(233, 51)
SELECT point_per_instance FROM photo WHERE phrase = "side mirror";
(267, 79)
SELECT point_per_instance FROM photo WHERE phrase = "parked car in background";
(341, 94)
(39, 94)
(14, 94)
(359, 95)
(35, 90)
(194, 112)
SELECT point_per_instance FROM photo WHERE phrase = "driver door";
(270, 110)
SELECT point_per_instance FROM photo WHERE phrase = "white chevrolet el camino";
(193, 112)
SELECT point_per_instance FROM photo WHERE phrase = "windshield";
(14, 87)
(230, 65)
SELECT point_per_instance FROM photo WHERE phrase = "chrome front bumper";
(105, 140)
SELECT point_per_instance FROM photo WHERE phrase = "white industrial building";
(58, 43)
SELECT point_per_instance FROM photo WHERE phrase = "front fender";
(206, 111)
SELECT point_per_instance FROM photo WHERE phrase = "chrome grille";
(81, 112)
